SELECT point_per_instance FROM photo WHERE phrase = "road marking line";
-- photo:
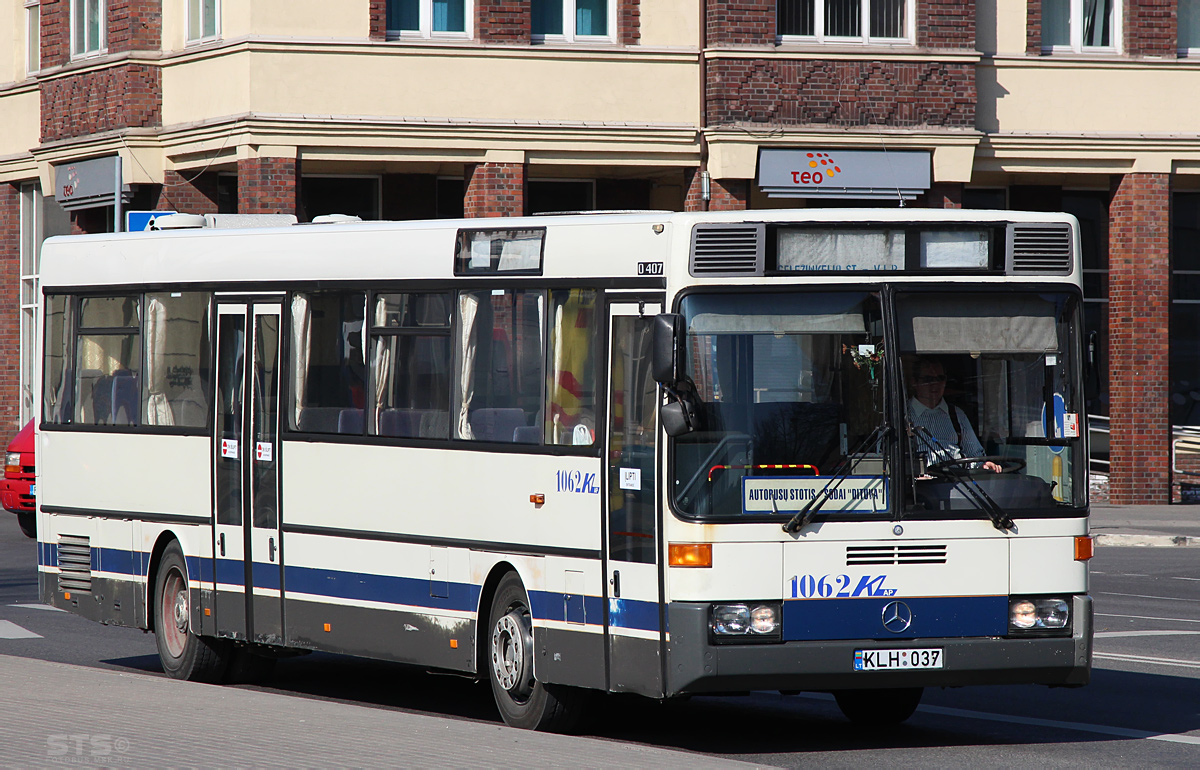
(38, 607)
(10, 630)
(1184, 578)
(1115, 634)
(1143, 596)
(1146, 617)
(1147, 659)
(1122, 732)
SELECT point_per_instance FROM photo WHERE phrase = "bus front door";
(634, 617)
(247, 537)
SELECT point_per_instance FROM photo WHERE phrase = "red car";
(18, 489)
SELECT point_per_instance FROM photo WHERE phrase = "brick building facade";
(493, 111)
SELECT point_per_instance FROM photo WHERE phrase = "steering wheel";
(943, 469)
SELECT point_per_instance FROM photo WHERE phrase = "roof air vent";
(728, 250)
(1039, 249)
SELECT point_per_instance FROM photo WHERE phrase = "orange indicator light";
(538, 499)
(1085, 548)
(454, 644)
(327, 627)
(67, 595)
(207, 612)
(690, 554)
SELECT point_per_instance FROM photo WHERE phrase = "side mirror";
(668, 328)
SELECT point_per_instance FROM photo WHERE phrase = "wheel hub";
(181, 612)
(510, 655)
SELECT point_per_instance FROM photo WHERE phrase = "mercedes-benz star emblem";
(897, 617)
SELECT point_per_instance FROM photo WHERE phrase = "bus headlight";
(746, 622)
(1033, 614)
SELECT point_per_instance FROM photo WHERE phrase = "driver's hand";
(991, 466)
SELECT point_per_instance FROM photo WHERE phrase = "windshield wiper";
(805, 515)
(972, 490)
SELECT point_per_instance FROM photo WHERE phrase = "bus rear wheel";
(523, 701)
(879, 708)
(184, 654)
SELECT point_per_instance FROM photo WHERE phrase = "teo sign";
(866, 174)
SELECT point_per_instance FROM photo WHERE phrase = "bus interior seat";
(319, 419)
(497, 424)
(402, 423)
(350, 422)
(528, 434)
(125, 398)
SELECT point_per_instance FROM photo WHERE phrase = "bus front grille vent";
(1039, 249)
(728, 250)
(861, 555)
(74, 563)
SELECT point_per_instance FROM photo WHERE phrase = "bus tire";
(27, 520)
(523, 701)
(879, 708)
(184, 655)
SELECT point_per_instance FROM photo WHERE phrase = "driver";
(943, 431)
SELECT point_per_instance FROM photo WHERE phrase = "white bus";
(827, 450)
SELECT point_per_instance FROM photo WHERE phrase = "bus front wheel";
(184, 654)
(879, 708)
(523, 701)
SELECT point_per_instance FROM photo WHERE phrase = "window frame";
(33, 37)
(1075, 31)
(819, 37)
(201, 38)
(425, 29)
(569, 36)
(1187, 52)
(102, 44)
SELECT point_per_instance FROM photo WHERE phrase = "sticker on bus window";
(263, 451)
(784, 494)
(229, 448)
(1071, 425)
(631, 478)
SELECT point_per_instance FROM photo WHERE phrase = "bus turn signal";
(690, 554)
(1085, 548)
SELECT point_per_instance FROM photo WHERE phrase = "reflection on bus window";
(501, 356)
(410, 365)
(785, 384)
(571, 383)
(108, 361)
(328, 365)
(177, 359)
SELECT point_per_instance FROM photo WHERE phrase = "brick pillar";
(1151, 28)
(188, 193)
(1033, 27)
(942, 195)
(1139, 310)
(10, 321)
(378, 14)
(724, 194)
(268, 186)
(494, 190)
(503, 21)
(629, 22)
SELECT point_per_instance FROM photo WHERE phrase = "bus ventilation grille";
(728, 250)
(74, 563)
(1039, 249)
(858, 555)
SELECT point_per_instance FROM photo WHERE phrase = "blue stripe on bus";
(360, 586)
(948, 617)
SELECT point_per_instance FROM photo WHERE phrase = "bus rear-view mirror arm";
(678, 411)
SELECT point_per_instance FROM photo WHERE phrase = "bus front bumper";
(696, 665)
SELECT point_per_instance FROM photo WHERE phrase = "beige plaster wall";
(450, 83)
(19, 125)
(12, 46)
(296, 18)
(1000, 26)
(1044, 96)
(670, 23)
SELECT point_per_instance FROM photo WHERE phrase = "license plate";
(33, 489)
(890, 660)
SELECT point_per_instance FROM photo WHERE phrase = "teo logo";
(822, 168)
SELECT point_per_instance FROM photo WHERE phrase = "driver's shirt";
(941, 442)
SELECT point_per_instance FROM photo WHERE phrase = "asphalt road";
(1142, 708)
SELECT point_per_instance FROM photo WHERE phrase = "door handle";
(271, 548)
(221, 542)
(615, 582)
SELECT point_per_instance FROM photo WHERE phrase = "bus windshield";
(787, 385)
(790, 391)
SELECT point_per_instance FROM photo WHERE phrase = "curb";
(1146, 540)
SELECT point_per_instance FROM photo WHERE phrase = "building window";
(845, 21)
(1189, 27)
(31, 246)
(573, 20)
(33, 40)
(428, 18)
(546, 196)
(1185, 308)
(1080, 26)
(359, 196)
(87, 27)
(204, 20)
